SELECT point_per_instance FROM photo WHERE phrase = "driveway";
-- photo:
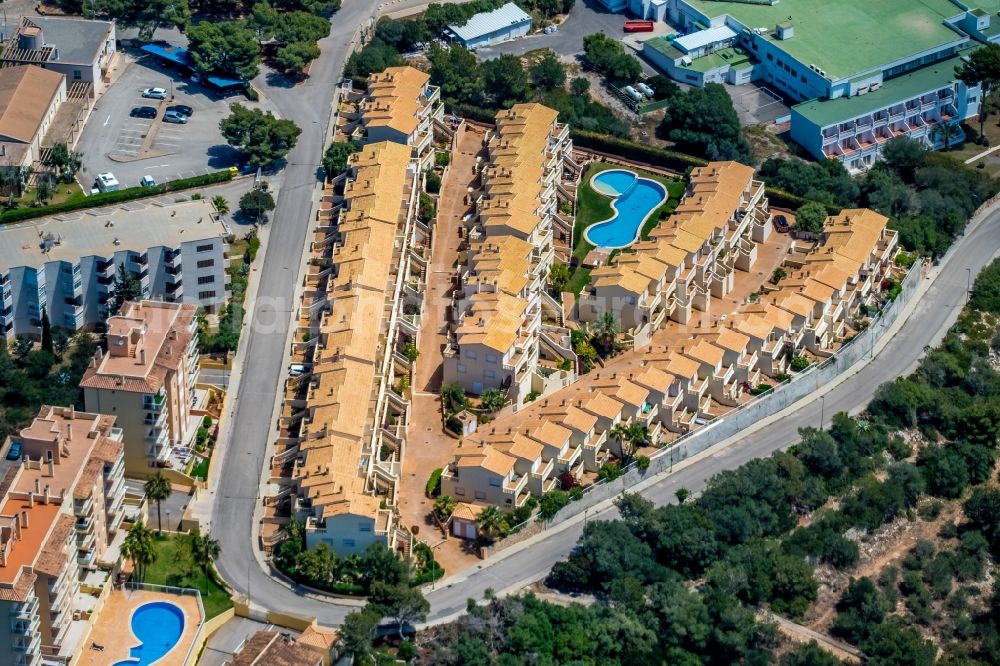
(586, 18)
(134, 147)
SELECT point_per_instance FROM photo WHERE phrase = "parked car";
(147, 181)
(781, 224)
(155, 93)
(15, 451)
(143, 112)
(182, 109)
(106, 182)
(175, 117)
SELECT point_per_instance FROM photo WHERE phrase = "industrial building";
(855, 90)
(499, 25)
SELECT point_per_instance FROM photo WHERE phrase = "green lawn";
(201, 469)
(592, 207)
(174, 566)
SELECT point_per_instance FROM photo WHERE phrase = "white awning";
(703, 38)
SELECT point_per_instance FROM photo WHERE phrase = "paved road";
(926, 325)
(586, 18)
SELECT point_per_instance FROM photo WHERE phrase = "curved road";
(236, 492)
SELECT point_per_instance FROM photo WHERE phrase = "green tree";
(138, 547)
(892, 644)
(506, 81)
(125, 288)
(458, 73)
(548, 73)
(402, 603)
(453, 398)
(292, 58)
(981, 68)
(946, 132)
(263, 20)
(336, 157)
(492, 400)
(860, 608)
(46, 332)
(606, 331)
(376, 56)
(444, 506)
(810, 218)
(43, 189)
(630, 436)
(491, 521)
(703, 121)
(157, 489)
(904, 155)
(983, 512)
(205, 550)
(220, 203)
(67, 162)
(256, 204)
(356, 634)
(607, 56)
(261, 136)
(559, 276)
(300, 26)
(153, 14)
(809, 654)
(224, 46)
(579, 87)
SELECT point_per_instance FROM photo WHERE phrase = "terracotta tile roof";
(318, 637)
(26, 94)
(682, 366)
(550, 433)
(269, 648)
(603, 405)
(579, 420)
(394, 99)
(731, 340)
(488, 458)
(464, 511)
(654, 379)
(706, 353)
(54, 556)
(521, 447)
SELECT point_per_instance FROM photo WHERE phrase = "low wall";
(801, 385)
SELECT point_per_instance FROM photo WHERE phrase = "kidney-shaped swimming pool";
(157, 626)
(633, 200)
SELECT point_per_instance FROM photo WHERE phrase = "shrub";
(609, 471)
(433, 488)
(442, 159)
(799, 363)
(551, 503)
(642, 462)
(433, 182)
(635, 151)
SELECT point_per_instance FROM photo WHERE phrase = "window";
(495, 483)
(364, 527)
(460, 491)
(491, 358)
(206, 263)
(204, 248)
(470, 354)
(480, 495)
(489, 374)
(77, 75)
(206, 279)
(770, 57)
(206, 294)
(461, 368)
(349, 543)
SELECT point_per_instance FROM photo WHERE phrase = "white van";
(106, 182)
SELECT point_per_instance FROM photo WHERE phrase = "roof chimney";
(52, 471)
(24, 519)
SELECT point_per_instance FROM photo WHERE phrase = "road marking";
(108, 120)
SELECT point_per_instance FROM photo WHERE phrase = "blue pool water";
(157, 626)
(634, 199)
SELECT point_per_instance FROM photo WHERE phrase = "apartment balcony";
(544, 470)
(26, 644)
(516, 485)
(84, 524)
(23, 614)
(86, 559)
(85, 541)
(83, 508)
(572, 456)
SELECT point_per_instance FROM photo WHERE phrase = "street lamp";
(822, 410)
(968, 284)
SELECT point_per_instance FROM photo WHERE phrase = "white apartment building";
(689, 258)
(61, 509)
(401, 106)
(68, 266)
(146, 379)
(498, 335)
(338, 458)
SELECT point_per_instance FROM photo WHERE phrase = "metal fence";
(799, 386)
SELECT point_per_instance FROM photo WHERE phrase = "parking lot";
(133, 147)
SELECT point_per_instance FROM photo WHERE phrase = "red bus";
(638, 26)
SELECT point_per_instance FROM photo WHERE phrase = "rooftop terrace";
(849, 36)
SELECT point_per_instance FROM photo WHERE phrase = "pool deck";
(112, 628)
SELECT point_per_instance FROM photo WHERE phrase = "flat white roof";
(136, 226)
(703, 38)
(488, 22)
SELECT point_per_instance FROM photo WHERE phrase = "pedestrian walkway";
(427, 446)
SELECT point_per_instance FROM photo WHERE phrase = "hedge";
(110, 198)
(635, 151)
(785, 199)
(433, 487)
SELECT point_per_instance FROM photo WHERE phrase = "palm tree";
(138, 547)
(491, 521)
(157, 489)
(606, 330)
(453, 398)
(492, 400)
(629, 435)
(946, 131)
(220, 204)
(444, 506)
(205, 551)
